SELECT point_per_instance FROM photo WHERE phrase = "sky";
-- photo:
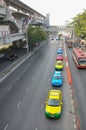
(61, 11)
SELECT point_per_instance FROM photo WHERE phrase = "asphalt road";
(24, 91)
(79, 84)
(5, 63)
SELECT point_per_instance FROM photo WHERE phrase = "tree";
(35, 34)
(80, 24)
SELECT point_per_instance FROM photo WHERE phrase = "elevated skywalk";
(7, 19)
(18, 20)
(2, 12)
(11, 38)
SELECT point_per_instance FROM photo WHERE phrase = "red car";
(59, 57)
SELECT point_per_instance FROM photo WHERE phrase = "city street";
(24, 91)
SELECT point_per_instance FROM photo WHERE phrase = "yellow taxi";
(59, 65)
(53, 107)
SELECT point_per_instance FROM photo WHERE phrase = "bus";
(79, 57)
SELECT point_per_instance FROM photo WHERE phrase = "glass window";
(82, 62)
(53, 102)
(59, 63)
(57, 77)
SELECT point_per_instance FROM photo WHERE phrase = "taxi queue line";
(52, 109)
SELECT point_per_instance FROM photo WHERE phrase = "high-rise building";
(47, 20)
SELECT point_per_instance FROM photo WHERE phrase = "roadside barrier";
(69, 75)
(68, 70)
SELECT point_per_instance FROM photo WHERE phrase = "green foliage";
(4, 49)
(35, 34)
(59, 35)
(80, 24)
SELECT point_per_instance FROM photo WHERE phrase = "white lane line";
(18, 78)
(72, 102)
(36, 129)
(42, 107)
(18, 104)
(5, 128)
(27, 88)
(33, 78)
(46, 89)
(24, 70)
(70, 91)
(74, 117)
(75, 126)
(73, 108)
(71, 95)
(9, 87)
(74, 120)
(67, 64)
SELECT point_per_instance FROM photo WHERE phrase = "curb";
(69, 75)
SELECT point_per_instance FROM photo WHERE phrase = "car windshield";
(59, 63)
(53, 102)
(59, 49)
(59, 55)
(82, 62)
(57, 77)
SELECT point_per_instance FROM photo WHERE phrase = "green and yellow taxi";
(59, 65)
(53, 107)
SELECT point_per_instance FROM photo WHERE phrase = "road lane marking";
(27, 88)
(74, 120)
(75, 126)
(18, 104)
(35, 128)
(73, 109)
(9, 87)
(24, 70)
(42, 107)
(5, 128)
(18, 77)
(72, 101)
(67, 64)
(33, 78)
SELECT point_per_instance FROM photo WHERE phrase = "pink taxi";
(59, 57)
